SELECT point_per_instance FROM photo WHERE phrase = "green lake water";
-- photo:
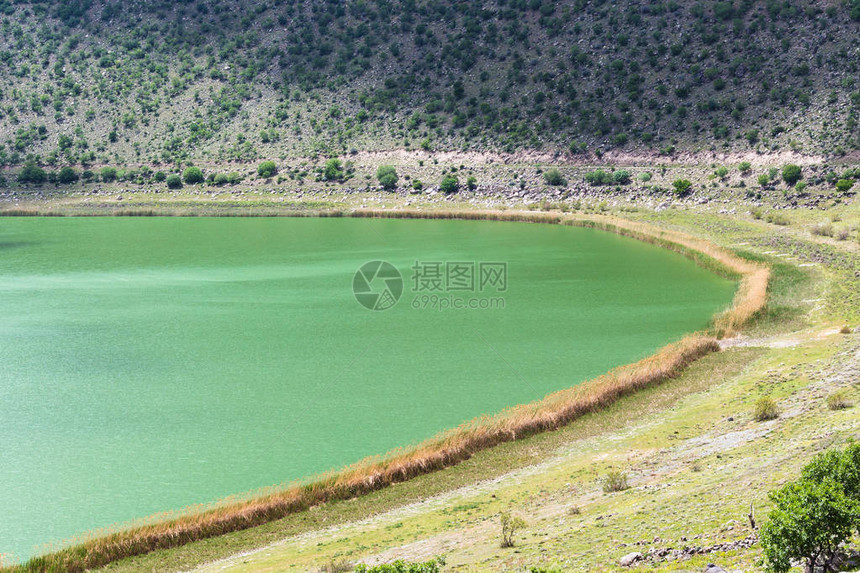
(149, 364)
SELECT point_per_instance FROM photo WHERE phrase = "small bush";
(510, 526)
(791, 174)
(174, 181)
(192, 175)
(337, 566)
(838, 400)
(450, 184)
(387, 177)
(267, 169)
(844, 185)
(108, 174)
(417, 185)
(763, 179)
(32, 173)
(471, 183)
(67, 175)
(400, 566)
(598, 177)
(645, 177)
(682, 186)
(765, 409)
(845, 330)
(822, 230)
(722, 171)
(220, 179)
(160, 176)
(745, 167)
(622, 177)
(234, 177)
(333, 170)
(615, 481)
(554, 177)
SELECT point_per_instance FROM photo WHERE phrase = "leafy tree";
(809, 521)
(387, 176)
(192, 175)
(450, 184)
(267, 169)
(67, 175)
(791, 174)
(174, 181)
(554, 177)
(32, 173)
(682, 186)
(510, 526)
(108, 174)
(333, 170)
(842, 466)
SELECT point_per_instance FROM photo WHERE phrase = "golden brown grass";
(456, 445)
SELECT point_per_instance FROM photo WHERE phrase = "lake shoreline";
(454, 446)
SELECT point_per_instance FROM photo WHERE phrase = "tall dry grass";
(456, 445)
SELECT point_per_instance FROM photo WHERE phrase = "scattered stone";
(711, 568)
(630, 559)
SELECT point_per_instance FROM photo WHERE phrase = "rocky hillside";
(106, 82)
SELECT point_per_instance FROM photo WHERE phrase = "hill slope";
(160, 82)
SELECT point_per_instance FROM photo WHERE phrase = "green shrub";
(159, 176)
(745, 167)
(67, 175)
(450, 184)
(791, 174)
(333, 170)
(192, 175)
(615, 481)
(645, 177)
(554, 177)
(234, 177)
(763, 179)
(32, 173)
(400, 566)
(598, 177)
(721, 171)
(108, 174)
(220, 179)
(417, 185)
(267, 169)
(843, 185)
(387, 177)
(174, 181)
(765, 409)
(622, 177)
(682, 186)
(471, 183)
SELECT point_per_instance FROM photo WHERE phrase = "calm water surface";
(150, 364)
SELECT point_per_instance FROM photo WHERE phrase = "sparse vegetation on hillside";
(161, 82)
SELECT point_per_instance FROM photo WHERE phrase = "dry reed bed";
(456, 445)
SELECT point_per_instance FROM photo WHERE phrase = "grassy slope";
(694, 472)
